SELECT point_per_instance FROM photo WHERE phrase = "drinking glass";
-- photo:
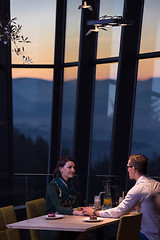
(97, 202)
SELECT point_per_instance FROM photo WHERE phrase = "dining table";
(65, 223)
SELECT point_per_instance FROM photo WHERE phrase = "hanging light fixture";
(85, 6)
(111, 21)
(97, 28)
(105, 21)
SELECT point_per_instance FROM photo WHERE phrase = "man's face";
(131, 169)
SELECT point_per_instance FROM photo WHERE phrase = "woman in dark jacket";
(62, 196)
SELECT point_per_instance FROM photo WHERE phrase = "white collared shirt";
(143, 195)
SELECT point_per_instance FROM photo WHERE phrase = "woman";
(62, 196)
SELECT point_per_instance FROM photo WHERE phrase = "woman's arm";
(53, 201)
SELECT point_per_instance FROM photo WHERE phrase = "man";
(145, 195)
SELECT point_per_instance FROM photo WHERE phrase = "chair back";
(35, 208)
(41, 205)
(7, 216)
(129, 227)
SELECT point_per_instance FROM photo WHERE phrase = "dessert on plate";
(93, 217)
(51, 214)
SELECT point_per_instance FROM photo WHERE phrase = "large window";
(72, 31)
(33, 97)
(105, 86)
(150, 40)
(103, 116)
(38, 24)
(32, 87)
(146, 131)
(68, 111)
(31, 121)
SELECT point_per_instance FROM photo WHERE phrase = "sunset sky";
(37, 18)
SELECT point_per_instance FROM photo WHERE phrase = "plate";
(57, 216)
(87, 219)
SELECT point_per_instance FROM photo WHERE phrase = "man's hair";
(140, 162)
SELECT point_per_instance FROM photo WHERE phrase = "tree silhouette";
(29, 156)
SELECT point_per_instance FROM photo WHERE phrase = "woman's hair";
(61, 162)
(140, 162)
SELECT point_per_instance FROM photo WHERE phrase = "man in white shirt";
(145, 195)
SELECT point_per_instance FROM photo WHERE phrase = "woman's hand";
(78, 213)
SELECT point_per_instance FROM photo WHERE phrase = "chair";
(35, 208)
(129, 227)
(7, 216)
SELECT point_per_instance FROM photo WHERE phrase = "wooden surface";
(67, 223)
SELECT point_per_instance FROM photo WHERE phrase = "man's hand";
(88, 211)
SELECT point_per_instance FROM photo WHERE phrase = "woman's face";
(68, 170)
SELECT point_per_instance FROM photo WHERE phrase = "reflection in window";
(32, 98)
(146, 131)
(108, 42)
(103, 117)
(150, 40)
(38, 24)
(72, 31)
(68, 112)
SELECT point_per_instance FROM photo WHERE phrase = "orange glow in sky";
(39, 27)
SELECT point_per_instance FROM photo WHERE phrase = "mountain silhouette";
(32, 107)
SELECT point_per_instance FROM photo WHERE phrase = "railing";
(22, 187)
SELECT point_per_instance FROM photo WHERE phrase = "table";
(67, 223)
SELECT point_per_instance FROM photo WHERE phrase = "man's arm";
(133, 197)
